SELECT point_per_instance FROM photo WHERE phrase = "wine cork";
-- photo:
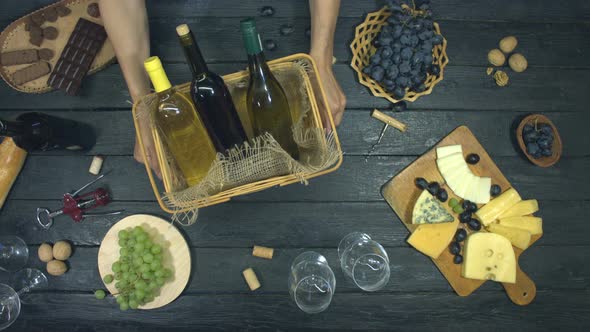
(182, 30)
(262, 252)
(96, 165)
(251, 279)
(388, 120)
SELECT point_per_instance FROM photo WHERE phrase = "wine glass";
(311, 282)
(14, 253)
(10, 303)
(364, 261)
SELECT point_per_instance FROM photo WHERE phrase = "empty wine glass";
(10, 302)
(311, 282)
(364, 261)
(14, 253)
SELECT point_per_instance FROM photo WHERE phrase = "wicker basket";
(362, 49)
(318, 112)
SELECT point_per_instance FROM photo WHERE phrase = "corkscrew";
(75, 205)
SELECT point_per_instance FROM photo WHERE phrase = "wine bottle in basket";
(211, 97)
(267, 103)
(182, 130)
(42, 132)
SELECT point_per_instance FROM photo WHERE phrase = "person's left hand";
(336, 98)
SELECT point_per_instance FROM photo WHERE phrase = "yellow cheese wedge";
(489, 256)
(521, 208)
(534, 225)
(518, 237)
(433, 239)
(491, 211)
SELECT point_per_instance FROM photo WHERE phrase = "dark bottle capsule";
(455, 248)
(461, 235)
(474, 224)
(421, 183)
(458, 259)
(472, 158)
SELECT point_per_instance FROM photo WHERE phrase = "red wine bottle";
(41, 132)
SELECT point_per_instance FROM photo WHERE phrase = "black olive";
(472, 207)
(458, 259)
(474, 224)
(495, 190)
(460, 235)
(466, 205)
(442, 195)
(472, 159)
(464, 216)
(421, 183)
(455, 248)
(433, 188)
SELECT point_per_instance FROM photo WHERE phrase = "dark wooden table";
(553, 35)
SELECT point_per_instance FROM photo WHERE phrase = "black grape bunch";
(404, 56)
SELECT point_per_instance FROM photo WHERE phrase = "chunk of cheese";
(534, 225)
(428, 210)
(489, 212)
(444, 151)
(518, 237)
(433, 239)
(521, 208)
(489, 256)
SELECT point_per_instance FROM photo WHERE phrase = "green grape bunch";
(139, 273)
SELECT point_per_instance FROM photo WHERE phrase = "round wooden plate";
(176, 255)
(14, 38)
(557, 146)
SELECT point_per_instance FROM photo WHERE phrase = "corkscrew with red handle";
(75, 205)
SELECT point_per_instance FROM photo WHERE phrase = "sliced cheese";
(534, 225)
(433, 239)
(465, 184)
(429, 210)
(489, 212)
(489, 256)
(483, 196)
(521, 208)
(518, 237)
(444, 151)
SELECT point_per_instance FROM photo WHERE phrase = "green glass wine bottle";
(267, 103)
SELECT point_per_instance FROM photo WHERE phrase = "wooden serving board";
(14, 38)
(401, 193)
(176, 255)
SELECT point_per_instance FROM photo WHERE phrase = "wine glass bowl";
(9, 306)
(311, 282)
(365, 261)
(14, 253)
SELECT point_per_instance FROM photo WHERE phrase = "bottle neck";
(11, 128)
(193, 55)
(258, 66)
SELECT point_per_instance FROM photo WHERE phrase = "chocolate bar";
(31, 73)
(83, 45)
(19, 57)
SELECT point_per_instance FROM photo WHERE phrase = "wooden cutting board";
(176, 255)
(401, 193)
(14, 38)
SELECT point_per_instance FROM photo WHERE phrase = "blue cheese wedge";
(428, 210)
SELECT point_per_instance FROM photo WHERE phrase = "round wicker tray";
(362, 49)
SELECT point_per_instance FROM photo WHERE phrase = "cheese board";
(402, 193)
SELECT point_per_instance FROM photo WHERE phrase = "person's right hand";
(150, 149)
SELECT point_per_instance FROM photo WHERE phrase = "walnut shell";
(496, 57)
(56, 268)
(501, 78)
(518, 62)
(62, 250)
(45, 252)
(508, 44)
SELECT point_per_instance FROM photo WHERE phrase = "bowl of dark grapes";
(539, 140)
(399, 52)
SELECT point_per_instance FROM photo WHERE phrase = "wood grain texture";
(175, 255)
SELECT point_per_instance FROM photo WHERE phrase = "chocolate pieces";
(83, 45)
(46, 54)
(50, 33)
(19, 57)
(50, 14)
(31, 72)
(63, 10)
(93, 10)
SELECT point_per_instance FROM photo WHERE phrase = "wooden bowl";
(556, 148)
(362, 50)
(176, 255)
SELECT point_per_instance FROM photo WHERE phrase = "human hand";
(336, 98)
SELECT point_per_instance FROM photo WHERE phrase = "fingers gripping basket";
(261, 163)
(362, 49)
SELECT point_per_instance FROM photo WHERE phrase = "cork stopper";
(182, 30)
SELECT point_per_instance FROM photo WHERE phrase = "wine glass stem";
(23, 290)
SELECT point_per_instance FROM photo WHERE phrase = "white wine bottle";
(182, 129)
(267, 103)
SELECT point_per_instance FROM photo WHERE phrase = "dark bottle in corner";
(42, 132)
(268, 107)
(211, 97)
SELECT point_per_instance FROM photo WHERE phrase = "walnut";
(45, 252)
(517, 62)
(489, 71)
(508, 44)
(56, 268)
(496, 57)
(62, 250)
(501, 78)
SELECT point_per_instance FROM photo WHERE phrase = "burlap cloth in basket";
(262, 157)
